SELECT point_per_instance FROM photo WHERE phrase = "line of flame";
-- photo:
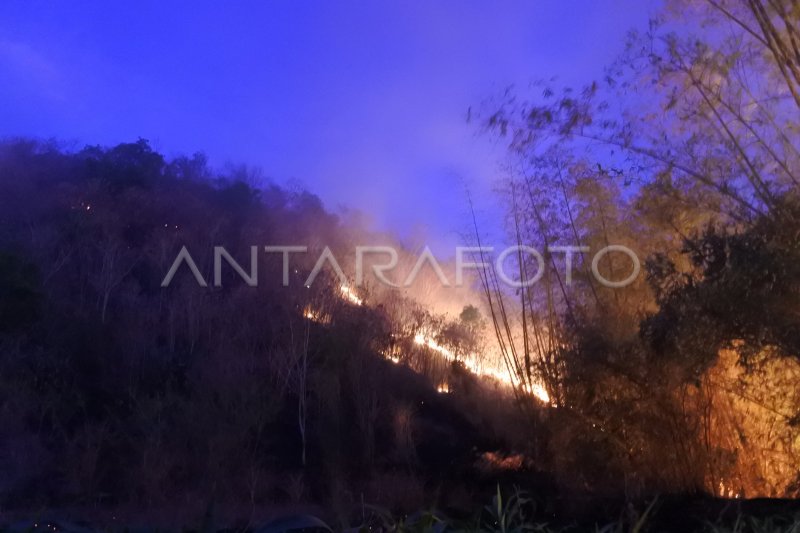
(471, 363)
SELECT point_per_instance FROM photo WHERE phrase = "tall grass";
(514, 512)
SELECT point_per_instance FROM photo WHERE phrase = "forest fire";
(472, 364)
(387, 292)
(471, 361)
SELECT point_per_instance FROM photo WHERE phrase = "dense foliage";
(687, 153)
(116, 391)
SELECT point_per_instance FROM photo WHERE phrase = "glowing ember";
(444, 388)
(493, 462)
(351, 296)
(316, 316)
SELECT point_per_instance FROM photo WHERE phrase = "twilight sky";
(363, 102)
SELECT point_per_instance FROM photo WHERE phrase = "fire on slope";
(471, 362)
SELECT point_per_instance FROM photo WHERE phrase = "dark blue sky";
(362, 102)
